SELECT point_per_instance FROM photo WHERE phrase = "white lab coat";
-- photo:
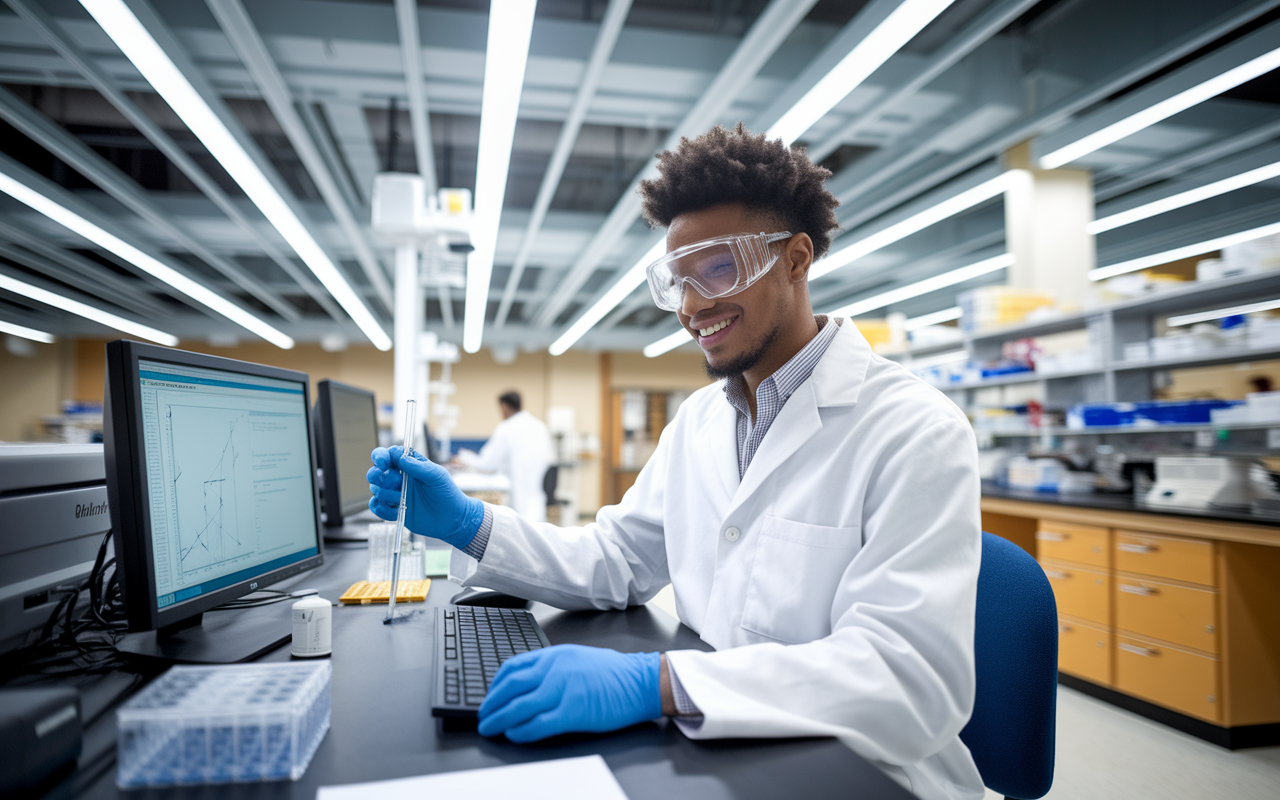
(836, 580)
(519, 448)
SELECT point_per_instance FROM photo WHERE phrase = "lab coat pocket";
(794, 577)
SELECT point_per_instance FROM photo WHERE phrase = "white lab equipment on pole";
(432, 236)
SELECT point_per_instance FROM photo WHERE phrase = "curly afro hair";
(737, 166)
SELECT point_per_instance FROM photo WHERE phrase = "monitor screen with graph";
(213, 472)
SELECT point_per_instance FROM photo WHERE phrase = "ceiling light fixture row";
(114, 244)
(506, 55)
(120, 23)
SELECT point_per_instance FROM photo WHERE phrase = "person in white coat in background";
(816, 510)
(520, 448)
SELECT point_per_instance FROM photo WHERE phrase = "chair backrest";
(549, 480)
(1011, 732)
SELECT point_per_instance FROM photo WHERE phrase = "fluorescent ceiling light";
(984, 267)
(1179, 253)
(936, 318)
(1205, 316)
(1186, 198)
(668, 343)
(88, 312)
(110, 242)
(947, 208)
(1162, 110)
(617, 293)
(507, 53)
(149, 58)
(25, 332)
(908, 19)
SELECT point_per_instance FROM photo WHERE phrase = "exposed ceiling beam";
(111, 180)
(318, 127)
(134, 300)
(244, 37)
(107, 86)
(768, 32)
(610, 27)
(995, 19)
(350, 128)
(119, 288)
(411, 53)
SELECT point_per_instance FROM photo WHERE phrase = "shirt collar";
(787, 378)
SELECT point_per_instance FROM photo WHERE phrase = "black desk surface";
(382, 726)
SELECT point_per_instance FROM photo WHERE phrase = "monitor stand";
(218, 637)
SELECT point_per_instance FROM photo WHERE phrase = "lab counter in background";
(1173, 615)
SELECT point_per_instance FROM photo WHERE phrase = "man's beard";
(745, 361)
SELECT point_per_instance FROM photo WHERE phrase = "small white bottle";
(312, 627)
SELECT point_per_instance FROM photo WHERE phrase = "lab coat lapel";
(836, 380)
(795, 425)
(718, 440)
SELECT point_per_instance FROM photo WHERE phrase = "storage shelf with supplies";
(1112, 328)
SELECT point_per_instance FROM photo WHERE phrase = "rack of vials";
(224, 724)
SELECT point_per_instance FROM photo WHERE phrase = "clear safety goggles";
(715, 268)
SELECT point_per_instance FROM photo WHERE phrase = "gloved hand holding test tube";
(410, 412)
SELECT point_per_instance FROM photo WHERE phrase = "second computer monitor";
(346, 433)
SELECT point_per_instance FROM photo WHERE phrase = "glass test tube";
(410, 412)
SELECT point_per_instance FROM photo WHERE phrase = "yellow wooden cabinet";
(1084, 650)
(1080, 591)
(1172, 676)
(1079, 544)
(1180, 612)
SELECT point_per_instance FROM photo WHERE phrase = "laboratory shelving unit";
(1110, 328)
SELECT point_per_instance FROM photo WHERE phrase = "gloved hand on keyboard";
(570, 688)
(436, 506)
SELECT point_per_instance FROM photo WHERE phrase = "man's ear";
(798, 257)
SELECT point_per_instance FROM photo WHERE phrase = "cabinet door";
(1180, 559)
(1081, 544)
(1084, 650)
(1080, 592)
(1169, 676)
(1180, 614)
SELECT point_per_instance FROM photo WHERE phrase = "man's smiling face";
(736, 332)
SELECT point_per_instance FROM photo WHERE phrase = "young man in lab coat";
(816, 511)
(519, 448)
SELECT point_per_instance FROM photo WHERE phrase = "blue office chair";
(1011, 732)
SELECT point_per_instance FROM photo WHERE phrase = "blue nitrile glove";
(436, 507)
(570, 688)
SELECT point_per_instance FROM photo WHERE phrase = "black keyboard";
(471, 643)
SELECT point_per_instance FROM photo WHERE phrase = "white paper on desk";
(586, 778)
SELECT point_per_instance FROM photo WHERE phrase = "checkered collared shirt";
(773, 393)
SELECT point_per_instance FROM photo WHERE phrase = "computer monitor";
(210, 476)
(346, 427)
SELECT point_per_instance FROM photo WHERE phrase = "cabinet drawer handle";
(1139, 651)
(1137, 548)
(1045, 536)
(1145, 591)
(1053, 573)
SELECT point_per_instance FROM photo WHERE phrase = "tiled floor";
(1105, 752)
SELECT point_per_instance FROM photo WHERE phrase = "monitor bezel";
(128, 488)
(326, 448)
